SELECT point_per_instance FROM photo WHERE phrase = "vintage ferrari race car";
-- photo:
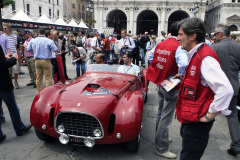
(102, 107)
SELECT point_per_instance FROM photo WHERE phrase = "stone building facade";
(223, 11)
(52, 8)
(79, 10)
(138, 16)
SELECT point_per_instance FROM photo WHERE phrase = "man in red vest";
(204, 93)
(167, 61)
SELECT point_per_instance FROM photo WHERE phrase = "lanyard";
(127, 69)
(125, 41)
(198, 50)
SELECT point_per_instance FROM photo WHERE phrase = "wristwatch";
(206, 116)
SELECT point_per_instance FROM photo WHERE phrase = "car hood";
(78, 96)
(96, 86)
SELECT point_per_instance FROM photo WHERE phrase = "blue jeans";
(69, 53)
(107, 56)
(78, 68)
(9, 98)
(143, 55)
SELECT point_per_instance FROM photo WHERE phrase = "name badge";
(189, 92)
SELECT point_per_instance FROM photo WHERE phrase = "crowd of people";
(208, 68)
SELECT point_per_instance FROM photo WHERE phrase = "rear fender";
(43, 107)
(129, 115)
(145, 81)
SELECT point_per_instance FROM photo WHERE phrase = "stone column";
(131, 20)
(159, 28)
(96, 17)
(163, 19)
(134, 27)
(128, 21)
(101, 17)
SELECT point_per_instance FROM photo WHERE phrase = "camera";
(126, 47)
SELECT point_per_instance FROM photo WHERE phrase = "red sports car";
(102, 107)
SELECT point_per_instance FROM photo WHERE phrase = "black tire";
(133, 145)
(43, 136)
(146, 97)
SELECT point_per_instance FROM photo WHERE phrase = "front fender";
(42, 110)
(129, 115)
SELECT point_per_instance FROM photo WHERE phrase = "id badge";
(189, 92)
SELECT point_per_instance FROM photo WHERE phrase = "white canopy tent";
(44, 19)
(82, 24)
(235, 33)
(21, 16)
(60, 21)
(73, 23)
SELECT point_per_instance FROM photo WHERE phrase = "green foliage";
(8, 2)
(89, 21)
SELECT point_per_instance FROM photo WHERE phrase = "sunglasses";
(216, 33)
(4, 28)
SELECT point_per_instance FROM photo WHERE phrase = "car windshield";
(102, 68)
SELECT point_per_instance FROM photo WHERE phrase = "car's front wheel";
(44, 137)
(133, 145)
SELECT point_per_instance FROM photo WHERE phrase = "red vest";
(164, 61)
(194, 99)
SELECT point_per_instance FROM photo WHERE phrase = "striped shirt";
(26, 53)
(12, 40)
(88, 43)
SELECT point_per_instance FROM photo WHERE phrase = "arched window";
(83, 16)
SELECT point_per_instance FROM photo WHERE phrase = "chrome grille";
(78, 124)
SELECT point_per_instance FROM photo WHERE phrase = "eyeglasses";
(4, 28)
(216, 33)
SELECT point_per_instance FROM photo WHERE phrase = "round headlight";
(61, 128)
(63, 138)
(97, 133)
(89, 142)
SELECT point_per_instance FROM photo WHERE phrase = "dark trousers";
(233, 125)
(1, 111)
(136, 58)
(194, 139)
(9, 98)
(64, 65)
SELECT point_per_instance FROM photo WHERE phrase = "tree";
(8, 2)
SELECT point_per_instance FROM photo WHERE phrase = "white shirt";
(84, 39)
(95, 43)
(128, 41)
(132, 69)
(213, 76)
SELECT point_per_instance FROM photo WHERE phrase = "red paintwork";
(128, 108)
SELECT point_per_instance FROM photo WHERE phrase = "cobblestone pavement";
(29, 147)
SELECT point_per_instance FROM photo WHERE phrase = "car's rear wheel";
(133, 145)
(44, 137)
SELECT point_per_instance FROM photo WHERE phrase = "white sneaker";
(167, 154)
(66, 83)
(170, 140)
